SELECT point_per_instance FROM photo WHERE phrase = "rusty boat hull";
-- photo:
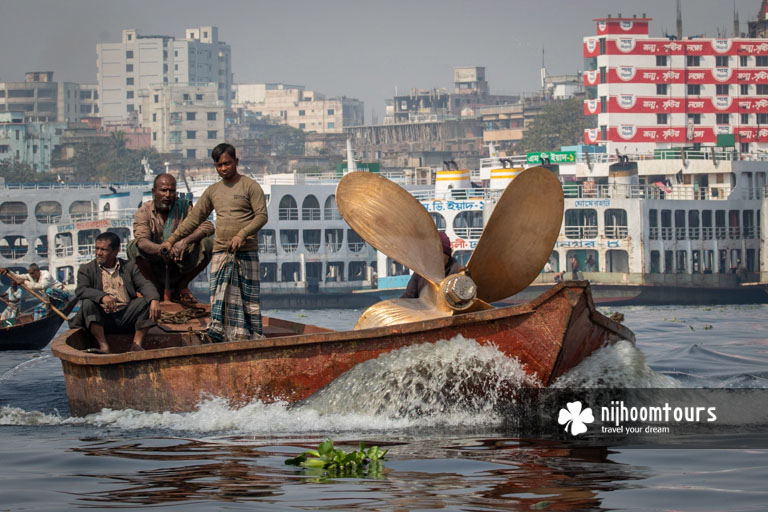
(548, 335)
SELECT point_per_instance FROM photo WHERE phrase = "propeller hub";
(459, 290)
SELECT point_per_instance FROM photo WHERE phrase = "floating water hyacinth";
(338, 463)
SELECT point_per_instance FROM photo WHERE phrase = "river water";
(446, 451)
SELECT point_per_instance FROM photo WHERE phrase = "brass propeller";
(519, 236)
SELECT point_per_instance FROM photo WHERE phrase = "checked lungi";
(58, 298)
(234, 287)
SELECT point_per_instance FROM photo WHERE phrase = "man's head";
(107, 247)
(225, 159)
(164, 192)
(34, 271)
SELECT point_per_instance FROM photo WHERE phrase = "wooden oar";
(62, 315)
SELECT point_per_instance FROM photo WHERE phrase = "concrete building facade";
(41, 99)
(138, 62)
(28, 142)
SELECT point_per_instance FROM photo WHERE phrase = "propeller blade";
(519, 237)
(393, 221)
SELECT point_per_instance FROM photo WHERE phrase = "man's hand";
(178, 249)
(108, 304)
(4, 271)
(235, 243)
(165, 250)
(154, 310)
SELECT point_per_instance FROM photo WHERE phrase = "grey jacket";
(89, 285)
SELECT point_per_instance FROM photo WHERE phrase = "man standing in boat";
(11, 311)
(241, 211)
(109, 288)
(45, 285)
(153, 223)
(417, 283)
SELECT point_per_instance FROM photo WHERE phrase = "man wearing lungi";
(44, 284)
(240, 212)
(153, 223)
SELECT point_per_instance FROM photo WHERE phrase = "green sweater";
(240, 210)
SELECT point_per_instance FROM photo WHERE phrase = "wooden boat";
(31, 334)
(548, 335)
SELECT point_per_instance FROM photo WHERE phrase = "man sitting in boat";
(154, 222)
(108, 288)
(11, 311)
(417, 283)
(45, 285)
(241, 211)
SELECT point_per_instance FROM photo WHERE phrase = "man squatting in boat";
(108, 288)
(417, 283)
(240, 212)
(45, 285)
(153, 223)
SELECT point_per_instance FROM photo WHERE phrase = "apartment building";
(41, 99)
(139, 61)
(28, 142)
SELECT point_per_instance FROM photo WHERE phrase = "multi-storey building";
(137, 62)
(41, 99)
(294, 106)
(183, 119)
(28, 142)
(89, 100)
(651, 93)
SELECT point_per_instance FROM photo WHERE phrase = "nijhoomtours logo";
(574, 418)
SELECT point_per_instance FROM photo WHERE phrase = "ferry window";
(439, 220)
(749, 224)
(65, 275)
(48, 212)
(554, 261)
(682, 262)
(751, 260)
(288, 209)
(331, 212)
(357, 270)
(720, 224)
(310, 208)
(666, 224)
(124, 234)
(696, 262)
(82, 209)
(355, 243)
(468, 225)
(311, 239)
(616, 223)
(734, 232)
(63, 244)
(693, 224)
(709, 261)
(653, 224)
(334, 271)
(333, 239)
(267, 241)
(289, 239)
(41, 246)
(268, 272)
(669, 262)
(314, 273)
(617, 260)
(735, 259)
(462, 256)
(581, 223)
(722, 261)
(655, 262)
(706, 224)
(290, 272)
(13, 247)
(13, 212)
(396, 269)
(86, 241)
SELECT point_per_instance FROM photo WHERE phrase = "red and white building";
(664, 92)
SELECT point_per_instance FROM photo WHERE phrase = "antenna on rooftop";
(735, 20)
(679, 22)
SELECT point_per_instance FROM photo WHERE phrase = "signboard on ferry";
(554, 157)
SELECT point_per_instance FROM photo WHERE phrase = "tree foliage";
(286, 140)
(18, 172)
(109, 159)
(560, 123)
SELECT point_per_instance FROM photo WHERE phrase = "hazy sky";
(358, 48)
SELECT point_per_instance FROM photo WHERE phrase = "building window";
(603, 104)
(211, 134)
(744, 118)
(722, 89)
(761, 60)
(129, 54)
(602, 46)
(129, 95)
(191, 153)
(721, 61)
(330, 111)
(186, 97)
(129, 80)
(696, 118)
(191, 116)
(129, 68)
(175, 67)
(198, 97)
(331, 125)
(745, 147)
(129, 108)
(661, 89)
(302, 126)
(693, 61)
(301, 112)
(743, 60)
(661, 118)
(744, 89)
(154, 135)
(212, 116)
(694, 89)
(721, 118)
(157, 98)
(191, 134)
(661, 60)
(761, 89)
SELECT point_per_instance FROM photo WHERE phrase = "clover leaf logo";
(575, 418)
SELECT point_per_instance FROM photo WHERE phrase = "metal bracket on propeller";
(459, 291)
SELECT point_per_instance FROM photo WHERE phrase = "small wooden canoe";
(31, 334)
(548, 335)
